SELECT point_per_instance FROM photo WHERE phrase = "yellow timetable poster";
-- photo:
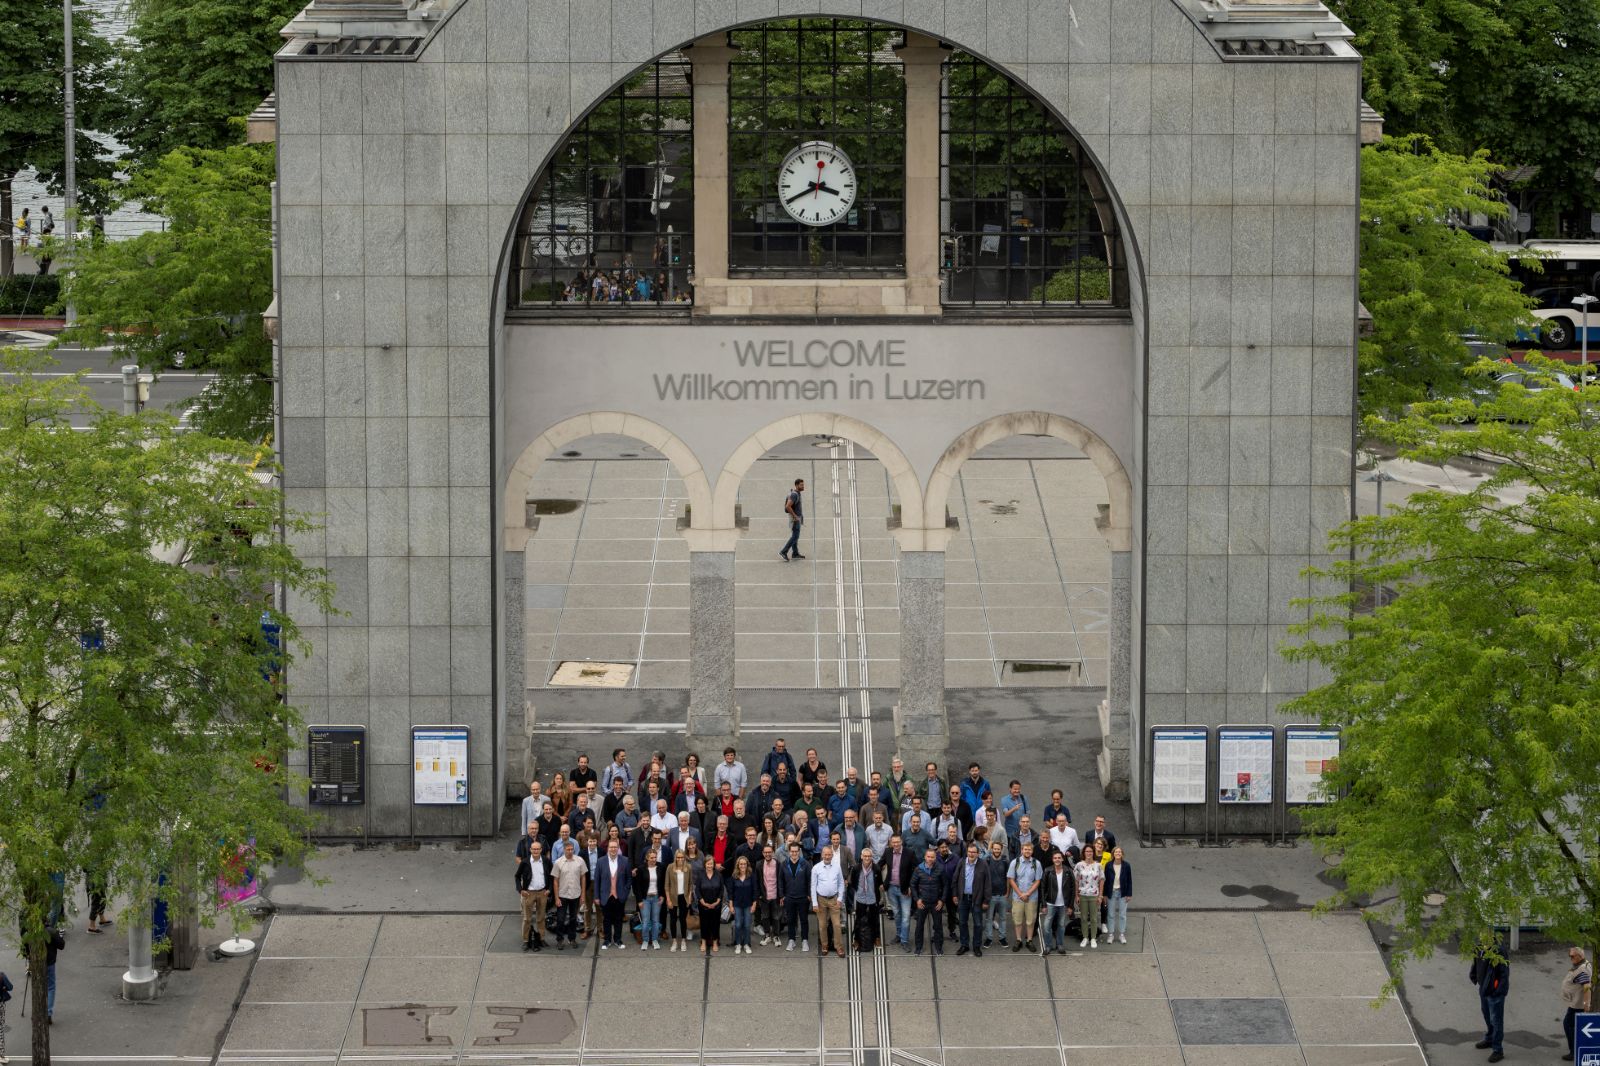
(439, 760)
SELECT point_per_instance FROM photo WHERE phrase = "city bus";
(1571, 268)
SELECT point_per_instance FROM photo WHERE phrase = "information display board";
(1310, 751)
(1178, 764)
(1244, 764)
(337, 764)
(439, 765)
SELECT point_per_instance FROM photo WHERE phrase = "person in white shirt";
(1063, 837)
(731, 772)
(663, 820)
(1090, 876)
(827, 895)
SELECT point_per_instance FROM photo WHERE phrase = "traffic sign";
(1586, 1039)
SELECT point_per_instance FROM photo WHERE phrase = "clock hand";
(809, 187)
(828, 189)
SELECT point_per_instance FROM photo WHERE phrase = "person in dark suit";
(894, 873)
(1494, 981)
(969, 894)
(1101, 835)
(1057, 897)
(679, 837)
(535, 888)
(612, 880)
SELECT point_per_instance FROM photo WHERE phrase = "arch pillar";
(713, 708)
(1116, 711)
(921, 723)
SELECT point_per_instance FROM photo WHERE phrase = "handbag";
(727, 912)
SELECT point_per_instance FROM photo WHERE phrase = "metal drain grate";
(1070, 668)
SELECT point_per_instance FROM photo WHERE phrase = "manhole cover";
(550, 507)
(585, 674)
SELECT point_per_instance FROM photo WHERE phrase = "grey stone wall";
(399, 181)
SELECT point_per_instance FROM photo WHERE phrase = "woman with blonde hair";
(742, 891)
(679, 893)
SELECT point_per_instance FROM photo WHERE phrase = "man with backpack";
(797, 518)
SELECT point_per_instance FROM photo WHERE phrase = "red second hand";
(817, 187)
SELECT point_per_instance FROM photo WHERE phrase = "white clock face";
(817, 184)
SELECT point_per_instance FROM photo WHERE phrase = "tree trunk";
(6, 221)
(38, 1003)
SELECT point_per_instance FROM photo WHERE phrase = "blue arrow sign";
(1586, 1039)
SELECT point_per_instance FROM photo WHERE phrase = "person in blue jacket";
(1493, 979)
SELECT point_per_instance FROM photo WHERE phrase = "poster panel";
(439, 765)
(1310, 751)
(1244, 764)
(1178, 773)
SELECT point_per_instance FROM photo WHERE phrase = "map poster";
(1244, 764)
(1178, 771)
(1309, 753)
(439, 765)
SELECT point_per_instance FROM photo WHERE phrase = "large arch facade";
(405, 398)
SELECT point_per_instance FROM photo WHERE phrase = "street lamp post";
(1582, 303)
(1379, 478)
(70, 146)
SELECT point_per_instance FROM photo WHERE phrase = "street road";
(104, 379)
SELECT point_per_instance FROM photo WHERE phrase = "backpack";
(787, 500)
(5, 988)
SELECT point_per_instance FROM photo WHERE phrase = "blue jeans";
(1494, 1018)
(650, 919)
(741, 926)
(50, 991)
(900, 903)
(997, 917)
(794, 540)
(1055, 927)
(1117, 914)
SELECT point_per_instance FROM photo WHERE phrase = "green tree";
(143, 724)
(196, 288)
(1516, 78)
(1426, 283)
(1469, 705)
(32, 102)
(192, 69)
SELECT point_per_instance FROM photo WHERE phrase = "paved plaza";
(1027, 573)
(1189, 989)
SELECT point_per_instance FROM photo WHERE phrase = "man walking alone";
(792, 507)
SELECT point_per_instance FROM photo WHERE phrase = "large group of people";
(623, 285)
(702, 857)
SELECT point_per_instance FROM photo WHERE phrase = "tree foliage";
(1425, 283)
(1470, 704)
(32, 102)
(197, 287)
(192, 69)
(1516, 78)
(143, 730)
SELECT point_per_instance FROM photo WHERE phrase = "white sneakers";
(1094, 943)
(1122, 938)
(805, 945)
(1084, 942)
(790, 947)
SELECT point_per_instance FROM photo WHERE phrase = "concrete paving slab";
(980, 1056)
(297, 1027)
(1115, 1023)
(624, 1027)
(667, 646)
(998, 593)
(602, 620)
(546, 975)
(1343, 1055)
(673, 978)
(1125, 1056)
(595, 646)
(914, 1024)
(1302, 931)
(420, 979)
(1000, 1022)
(432, 1025)
(1242, 1055)
(1232, 1021)
(1230, 934)
(274, 980)
(1189, 975)
(1330, 973)
(320, 935)
(1350, 1021)
(730, 1026)
(610, 573)
(837, 1031)
(596, 550)
(441, 935)
(657, 674)
(764, 977)
(1101, 975)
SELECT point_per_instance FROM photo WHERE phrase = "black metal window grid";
(1025, 216)
(610, 222)
(798, 80)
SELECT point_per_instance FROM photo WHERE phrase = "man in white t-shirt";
(1063, 837)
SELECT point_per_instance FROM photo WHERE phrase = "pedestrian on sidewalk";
(5, 997)
(791, 507)
(25, 228)
(1575, 996)
(1494, 982)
